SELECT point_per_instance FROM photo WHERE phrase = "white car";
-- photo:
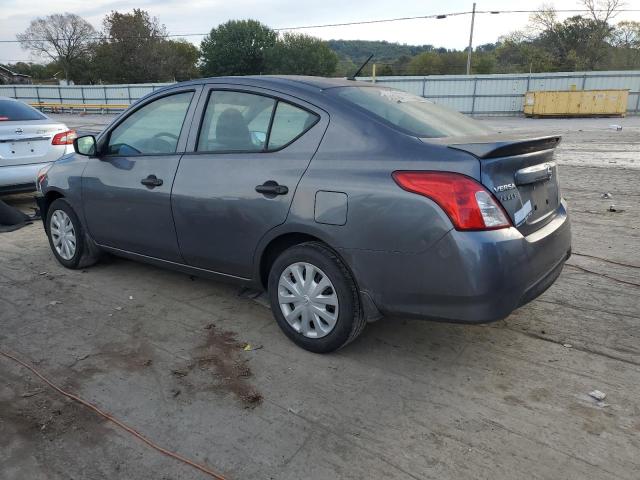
(29, 141)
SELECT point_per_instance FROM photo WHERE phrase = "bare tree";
(627, 35)
(545, 18)
(603, 10)
(63, 38)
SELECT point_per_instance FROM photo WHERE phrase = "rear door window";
(12, 111)
(153, 129)
(289, 123)
(235, 122)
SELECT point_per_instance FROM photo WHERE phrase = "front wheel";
(314, 298)
(67, 238)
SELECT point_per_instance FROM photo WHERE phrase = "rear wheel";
(67, 238)
(314, 298)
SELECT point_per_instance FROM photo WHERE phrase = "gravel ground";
(408, 400)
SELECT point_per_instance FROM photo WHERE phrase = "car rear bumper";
(467, 277)
(20, 178)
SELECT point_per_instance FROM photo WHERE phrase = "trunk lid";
(26, 142)
(520, 173)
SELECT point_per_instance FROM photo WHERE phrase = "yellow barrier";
(576, 103)
(62, 107)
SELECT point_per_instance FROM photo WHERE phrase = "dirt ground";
(164, 352)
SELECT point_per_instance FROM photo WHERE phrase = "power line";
(361, 22)
(442, 16)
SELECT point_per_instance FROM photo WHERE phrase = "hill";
(358, 50)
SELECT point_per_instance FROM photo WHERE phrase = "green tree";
(238, 47)
(299, 54)
(427, 63)
(483, 63)
(626, 40)
(577, 43)
(135, 50)
(515, 53)
(181, 58)
(384, 70)
(130, 51)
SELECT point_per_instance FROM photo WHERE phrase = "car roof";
(321, 83)
(284, 83)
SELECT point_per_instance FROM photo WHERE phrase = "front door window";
(153, 129)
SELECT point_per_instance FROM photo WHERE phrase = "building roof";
(12, 73)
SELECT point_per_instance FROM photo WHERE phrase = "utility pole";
(473, 17)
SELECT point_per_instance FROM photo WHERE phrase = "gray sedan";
(29, 141)
(343, 200)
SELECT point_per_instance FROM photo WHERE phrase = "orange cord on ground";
(179, 457)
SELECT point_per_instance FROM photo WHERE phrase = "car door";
(240, 172)
(127, 188)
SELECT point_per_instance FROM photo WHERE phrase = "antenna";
(353, 77)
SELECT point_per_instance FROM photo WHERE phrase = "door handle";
(151, 181)
(272, 188)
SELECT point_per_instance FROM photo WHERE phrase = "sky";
(199, 16)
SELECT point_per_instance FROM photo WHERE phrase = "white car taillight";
(64, 138)
(492, 214)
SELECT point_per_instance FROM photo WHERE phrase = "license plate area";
(543, 198)
(24, 149)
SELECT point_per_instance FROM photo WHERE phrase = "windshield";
(411, 113)
(11, 111)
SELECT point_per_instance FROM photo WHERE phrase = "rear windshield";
(11, 111)
(413, 114)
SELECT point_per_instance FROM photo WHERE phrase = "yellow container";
(578, 103)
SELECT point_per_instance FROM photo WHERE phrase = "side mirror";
(85, 145)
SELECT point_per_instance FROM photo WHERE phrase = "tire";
(347, 317)
(85, 252)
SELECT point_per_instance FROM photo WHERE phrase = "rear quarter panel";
(357, 157)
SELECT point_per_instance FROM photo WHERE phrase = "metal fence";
(472, 94)
(80, 94)
(503, 94)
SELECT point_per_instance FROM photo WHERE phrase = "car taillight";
(468, 204)
(64, 138)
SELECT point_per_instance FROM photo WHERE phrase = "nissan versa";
(344, 200)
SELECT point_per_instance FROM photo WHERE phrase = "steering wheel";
(165, 134)
(163, 142)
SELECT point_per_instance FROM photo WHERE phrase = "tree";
(181, 58)
(484, 63)
(578, 43)
(299, 54)
(603, 10)
(384, 69)
(626, 39)
(427, 63)
(135, 50)
(63, 38)
(129, 53)
(517, 54)
(238, 47)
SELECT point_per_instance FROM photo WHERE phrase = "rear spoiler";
(502, 148)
